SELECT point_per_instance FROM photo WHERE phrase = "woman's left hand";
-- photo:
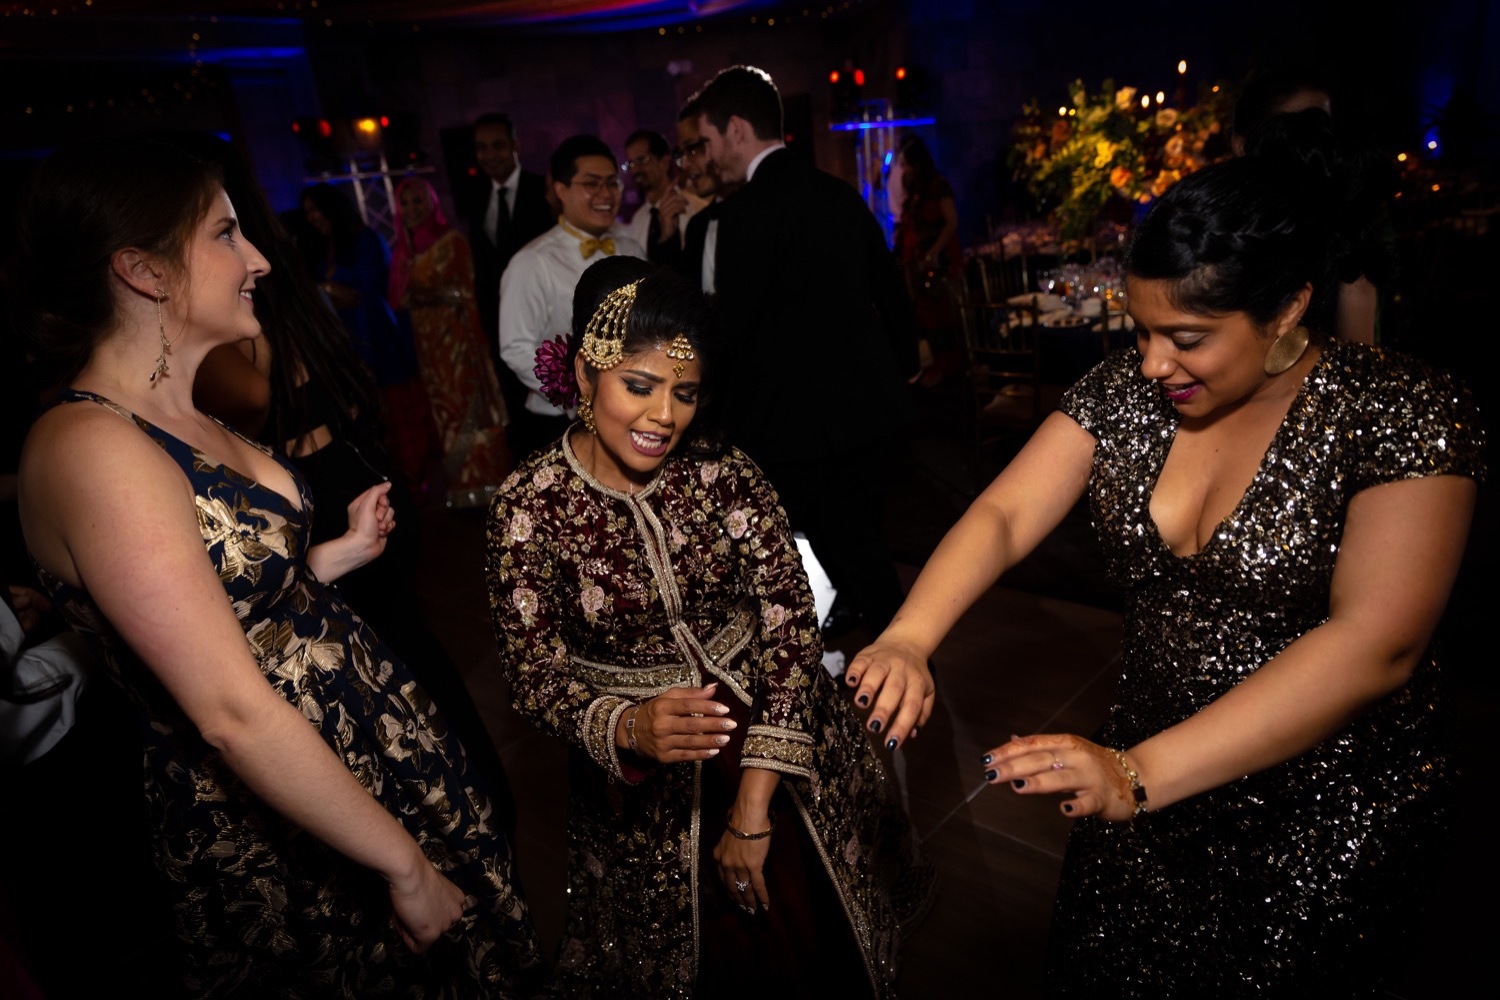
(1051, 763)
(742, 863)
(371, 520)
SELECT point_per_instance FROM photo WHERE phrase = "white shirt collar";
(750, 170)
(512, 182)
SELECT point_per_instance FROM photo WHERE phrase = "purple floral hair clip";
(559, 384)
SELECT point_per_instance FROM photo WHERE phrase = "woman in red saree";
(432, 276)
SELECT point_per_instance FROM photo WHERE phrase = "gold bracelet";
(630, 726)
(1136, 788)
(742, 835)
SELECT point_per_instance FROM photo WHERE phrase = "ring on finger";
(741, 886)
(1057, 764)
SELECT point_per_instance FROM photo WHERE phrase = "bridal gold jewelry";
(586, 413)
(604, 337)
(680, 350)
(1287, 350)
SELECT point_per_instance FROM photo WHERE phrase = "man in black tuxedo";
(507, 208)
(820, 338)
(700, 224)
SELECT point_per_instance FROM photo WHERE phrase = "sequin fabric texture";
(264, 909)
(602, 599)
(1298, 880)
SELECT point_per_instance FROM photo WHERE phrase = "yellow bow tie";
(589, 247)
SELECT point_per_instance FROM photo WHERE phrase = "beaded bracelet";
(742, 835)
(1136, 788)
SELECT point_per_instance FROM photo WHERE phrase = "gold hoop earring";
(1287, 350)
(586, 414)
(161, 328)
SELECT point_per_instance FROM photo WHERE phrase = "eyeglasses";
(690, 150)
(593, 184)
(636, 164)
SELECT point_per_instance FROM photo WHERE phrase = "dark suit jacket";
(686, 256)
(820, 335)
(531, 217)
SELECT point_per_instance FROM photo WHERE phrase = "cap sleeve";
(1413, 423)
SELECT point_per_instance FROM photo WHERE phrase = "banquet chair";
(1006, 393)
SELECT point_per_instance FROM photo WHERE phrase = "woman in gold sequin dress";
(316, 825)
(731, 832)
(1287, 516)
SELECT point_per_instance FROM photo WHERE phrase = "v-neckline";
(1299, 401)
(299, 504)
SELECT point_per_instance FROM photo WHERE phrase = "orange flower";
(1120, 177)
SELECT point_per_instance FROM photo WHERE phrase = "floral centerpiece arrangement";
(1112, 149)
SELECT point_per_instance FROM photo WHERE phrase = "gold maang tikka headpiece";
(680, 350)
(604, 337)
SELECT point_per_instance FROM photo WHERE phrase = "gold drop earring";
(586, 414)
(166, 345)
(1287, 350)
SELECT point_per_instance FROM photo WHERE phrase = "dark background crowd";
(378, 130)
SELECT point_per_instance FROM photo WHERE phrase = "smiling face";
(222, 267)
(648, 172)
(1208, 364)
(591, 200)
(727, 150)
(641, 409)
(701, 175)
(495, 151)
(416, 206)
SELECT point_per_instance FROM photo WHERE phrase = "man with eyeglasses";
(706, 191)
(655, 225)
(536, 292)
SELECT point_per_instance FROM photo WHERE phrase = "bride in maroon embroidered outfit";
(731, 830)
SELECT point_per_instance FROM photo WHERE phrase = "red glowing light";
(859, 78)
(901, 72)
(325, 129)
(296, 126)
(385, 122)
(833, 77)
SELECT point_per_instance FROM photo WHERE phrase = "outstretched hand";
(1059, 763)
(679, 724)
(895, 685)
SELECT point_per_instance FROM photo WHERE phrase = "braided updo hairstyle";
(1247, 235)
(87, 202)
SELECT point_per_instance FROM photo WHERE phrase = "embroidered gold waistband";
(639, 682)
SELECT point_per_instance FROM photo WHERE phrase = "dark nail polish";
(864, 700)
(1019, 783)
(874, 725)
(989, 776)
(890, 744)
(987, 759)
(1068, 808)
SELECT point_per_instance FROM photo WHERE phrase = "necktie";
(492, 213)
(653, 231)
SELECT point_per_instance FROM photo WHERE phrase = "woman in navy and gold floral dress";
(319, 828)
(731, 830)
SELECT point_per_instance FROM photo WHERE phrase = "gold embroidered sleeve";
(778, 749)
(788, 647)
(525, 581)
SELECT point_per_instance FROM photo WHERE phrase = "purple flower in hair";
(559, 384)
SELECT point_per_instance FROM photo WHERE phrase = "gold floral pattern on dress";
(262, 908)
(611, 599)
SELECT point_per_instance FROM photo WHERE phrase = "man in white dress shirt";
(536, 292)
(657, 224)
